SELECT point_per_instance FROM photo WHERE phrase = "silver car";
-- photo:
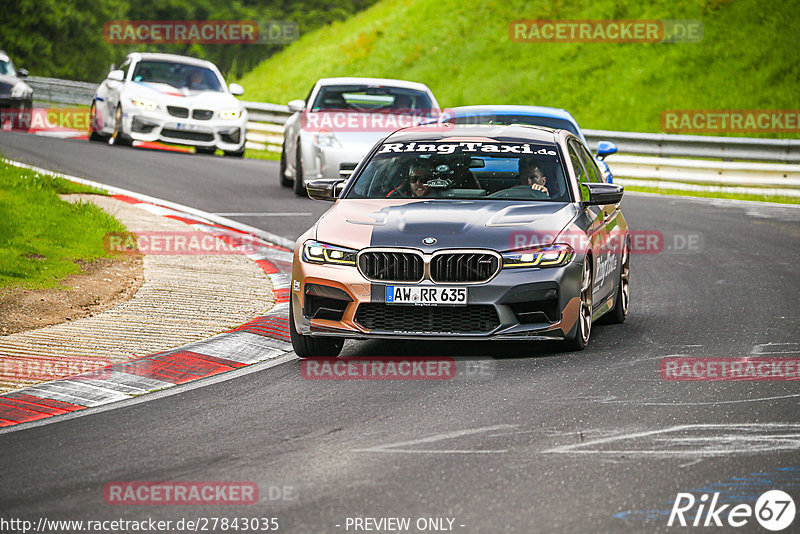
(341, 119)
(169, 98)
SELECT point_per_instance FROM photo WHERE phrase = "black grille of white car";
(471, 319)
(202, 114)
(177, 111)
(391, 266)
(464, 267)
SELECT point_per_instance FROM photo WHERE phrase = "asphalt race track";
(535, 440)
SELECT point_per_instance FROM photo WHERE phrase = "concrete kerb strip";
(264, 338)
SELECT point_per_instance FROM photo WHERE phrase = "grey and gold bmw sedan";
(475, 232)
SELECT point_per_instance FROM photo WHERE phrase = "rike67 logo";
(774, 510)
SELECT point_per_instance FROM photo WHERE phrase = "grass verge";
(781, 199)
(43, 238)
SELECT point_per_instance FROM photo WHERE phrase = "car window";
(6, 67)
(369, 99)
(178, 75)
(580, 172)
(464, 170)
(508, 118)
(592, 172)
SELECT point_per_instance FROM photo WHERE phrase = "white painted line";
(396, 447)
(266, 214)
(767, 348)
(741, 438)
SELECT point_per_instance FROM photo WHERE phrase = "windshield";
(178, 75)
(371, 99)
(505, 119)
(464, 170)
(6, 67)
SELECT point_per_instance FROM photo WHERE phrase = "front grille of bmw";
(177, 111)
(461, 266)
(391, 266)
(464, 267)
(470, 319)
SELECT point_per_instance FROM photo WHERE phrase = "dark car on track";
(472, 232)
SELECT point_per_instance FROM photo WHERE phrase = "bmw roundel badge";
(429, 241)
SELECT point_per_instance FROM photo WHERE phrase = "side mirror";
(236, 89)
(325, 189)
(22, 73)
(605, 148)
(116, 75)
(602, 194)
(297, 105)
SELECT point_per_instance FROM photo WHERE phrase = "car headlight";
(316, 252)
(326, 138)
(230, 114)
(145, 104)
(19, 90)
(540, 257)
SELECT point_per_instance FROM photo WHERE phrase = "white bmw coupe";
(172, 99)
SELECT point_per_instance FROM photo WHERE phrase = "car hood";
(498, 225)
(168, 94)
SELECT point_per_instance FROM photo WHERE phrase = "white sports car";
(172, 99)
(341, 119)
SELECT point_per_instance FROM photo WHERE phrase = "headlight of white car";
(18, 91)
(230, 114)
(145, 104)
(326, 138)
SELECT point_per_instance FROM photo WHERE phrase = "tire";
(299, 185)
(93, 134)
(118, 137)
(285, 182)
(312, 347)
(583, 327)
(235, 153)
(622, 300)
(205, 150)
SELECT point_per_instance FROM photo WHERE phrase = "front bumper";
(332, 163)
(157, 126)
(517, 304)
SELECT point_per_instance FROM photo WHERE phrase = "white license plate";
(426, 295)
(188, 127)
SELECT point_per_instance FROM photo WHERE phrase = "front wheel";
(312, 347)
(235, 153)
(622, 301)
(119, 137)
(94, 135)
(299, 184)
(285, 182)
(583, 328)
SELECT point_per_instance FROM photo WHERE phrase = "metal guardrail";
(699, 146)
(664, 159)
(61, 91)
